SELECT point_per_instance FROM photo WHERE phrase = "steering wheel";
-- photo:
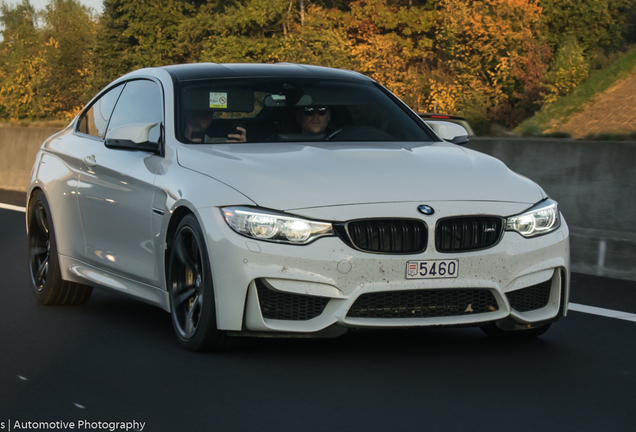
(359, 133)
(334, 133)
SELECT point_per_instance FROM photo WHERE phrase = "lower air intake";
(286, 306)
(424, 303)
(531, 298)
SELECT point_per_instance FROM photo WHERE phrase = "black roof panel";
(198, 71)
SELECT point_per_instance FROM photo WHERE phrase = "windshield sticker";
(218, 100)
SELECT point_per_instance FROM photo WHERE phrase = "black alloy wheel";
(191, 290)
(47, 284)
(39, 246)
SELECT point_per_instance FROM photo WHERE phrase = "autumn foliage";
(489, 60)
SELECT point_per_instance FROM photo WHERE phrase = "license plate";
(432, 269)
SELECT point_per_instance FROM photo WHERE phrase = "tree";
(593, 23)
(152, 29)
(68, 35)
(20, 61)
(246, 31)
(569, 69)
(486, 59)
(133, 34)
(111, 51)
(385, 40)
(45, 72)
(489, 52)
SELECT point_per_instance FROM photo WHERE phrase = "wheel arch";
(47, 282)
(29, 205)
(211, 338)
(29, 202)
(177, 216)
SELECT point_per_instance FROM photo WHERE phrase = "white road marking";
(12, 207)
(602, 312)
(572, 306)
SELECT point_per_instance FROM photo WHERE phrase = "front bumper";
(334, 276)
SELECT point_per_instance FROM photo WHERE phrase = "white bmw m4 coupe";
(288, 200)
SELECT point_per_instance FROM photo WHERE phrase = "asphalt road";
(116, 360)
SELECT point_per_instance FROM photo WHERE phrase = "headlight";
(541, 219)
(276, 227)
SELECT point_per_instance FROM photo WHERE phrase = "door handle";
(90, 161)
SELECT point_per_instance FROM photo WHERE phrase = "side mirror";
(449, 131)
(133, 136)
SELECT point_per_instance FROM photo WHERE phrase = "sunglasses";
(309, 111)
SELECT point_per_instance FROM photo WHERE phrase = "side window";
(95, 119)
(140, 102)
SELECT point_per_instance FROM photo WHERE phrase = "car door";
(64, 162)
(116, 188)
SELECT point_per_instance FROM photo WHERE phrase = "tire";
(494, 331)
(47, 284)
(189, 282)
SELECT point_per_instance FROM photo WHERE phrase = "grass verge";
(555, 114)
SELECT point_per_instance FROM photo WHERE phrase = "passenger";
(197, 124)
(239, 137)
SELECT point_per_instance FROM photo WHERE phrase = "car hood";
(288, 176)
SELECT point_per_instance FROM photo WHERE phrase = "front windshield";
(291, 109)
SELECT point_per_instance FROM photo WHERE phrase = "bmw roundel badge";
(425, 210)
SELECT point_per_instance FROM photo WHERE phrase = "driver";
(313, 119)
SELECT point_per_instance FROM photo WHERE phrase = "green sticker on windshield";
(218, 100)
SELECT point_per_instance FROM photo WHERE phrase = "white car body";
(114, 212)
